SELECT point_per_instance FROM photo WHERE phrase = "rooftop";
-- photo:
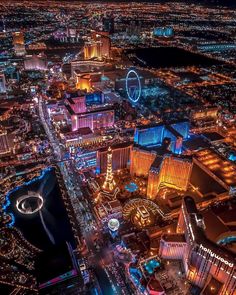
(154, 285)
(204, 182)
(174, 238)
(221, 167)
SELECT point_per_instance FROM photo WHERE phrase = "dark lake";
(53, 213)
(162, 57)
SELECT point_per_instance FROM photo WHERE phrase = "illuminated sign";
(58, 279)
(212, 254)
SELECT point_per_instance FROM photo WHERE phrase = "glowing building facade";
(173, 171)
(204, 118)
(141, 161)
(154, 135)
(149, 135)
(19, 43)
(97, 119)
(120, 157)
(93, 50)
(79, 117)
(83, 82)
(182, 127)
(142, 216)
(81, 138)
(172, 245)
(94, 98)
(203, 114)
(206, 264)
(77, 104)
(176, 139)
(98, 47)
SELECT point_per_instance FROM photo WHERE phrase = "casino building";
(18, 41)
(120, 157)
(98, 47)
(154, 135)
(207, 264)
(173, 171)
(141, 161)
(95, 119)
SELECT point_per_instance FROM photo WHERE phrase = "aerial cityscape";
(117, 147)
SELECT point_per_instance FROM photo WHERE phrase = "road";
(109, 279)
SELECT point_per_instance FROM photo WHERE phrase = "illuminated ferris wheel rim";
(132, 71)
(21, 203)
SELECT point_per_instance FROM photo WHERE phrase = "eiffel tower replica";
(109, 183)
(109, 188)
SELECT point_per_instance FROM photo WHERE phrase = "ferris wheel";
(133, 85)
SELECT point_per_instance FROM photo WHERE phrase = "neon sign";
(212, 254)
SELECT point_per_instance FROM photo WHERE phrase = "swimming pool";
(131, 187)
(151, 265)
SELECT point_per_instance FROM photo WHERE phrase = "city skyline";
(117, 148)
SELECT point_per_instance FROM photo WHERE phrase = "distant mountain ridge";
(227, 3)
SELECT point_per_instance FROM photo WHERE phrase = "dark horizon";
(226, 3)
(117, 147)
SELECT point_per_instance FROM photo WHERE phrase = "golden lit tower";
(109, 183)
(18, 43)
(173, 171)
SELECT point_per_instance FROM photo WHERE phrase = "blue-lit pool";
(151, 265)
(131, 187)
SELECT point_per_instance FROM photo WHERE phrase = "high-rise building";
(207, 264)
(3, 88)
(83, 82)
(19, 43)
(149, 135)
(120, 157)
(77, 104)
(141, 161)
(154, 135)
(109, 183)
(98, 47)
(95, 119)
(176, 139)
(106, 46)
(182, 127)
(108, 25)
(172, 171)
(92, 50)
